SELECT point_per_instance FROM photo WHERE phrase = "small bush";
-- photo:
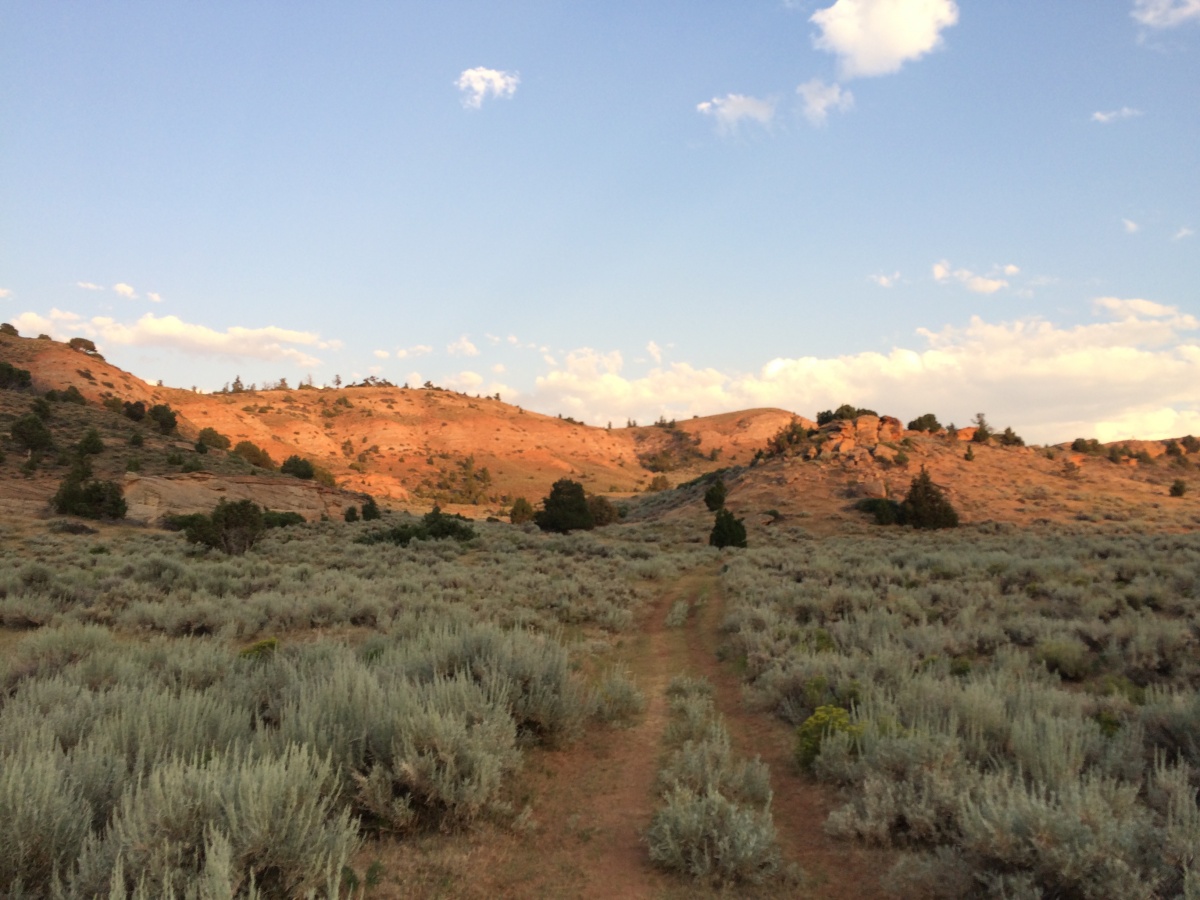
(254, 455)
(281, 519)
(80, 495)
(602, 511)
(708, 836)
(233, 527)
(928, 422)
(824, 721)
(69, 395)
(1178, 487)
(14, 379)
(91, 443)
(30, 433)
(658, 483)
(298, 467)
(210, 437)
(163, 416)
(136, 410)
(8, 329)
(370, 510)
(351, 513)
(521, 512)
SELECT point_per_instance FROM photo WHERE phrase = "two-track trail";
(592, 800)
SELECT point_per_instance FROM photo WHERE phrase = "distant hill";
(412, 447)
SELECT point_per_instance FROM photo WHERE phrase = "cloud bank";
(1137, 373)
(270, 343)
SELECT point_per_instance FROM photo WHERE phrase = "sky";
(623, 211)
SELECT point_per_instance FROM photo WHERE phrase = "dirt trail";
(592, 801)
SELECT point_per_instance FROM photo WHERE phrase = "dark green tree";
(91, 444)
(14, 379)
(928, 422)
(254, 455)
(521, 512)
(1178, 487)
(81, 495)
(983, 430)
(6, 328)
(299, 467)
(351, 514)
(602, 511)
(31, 433)
(727, 531)
(370, 510)
(926, 506)
(212, 438)
(163, 416)
(565, 508)
(135, 410)
(233, 527)
(714, 497)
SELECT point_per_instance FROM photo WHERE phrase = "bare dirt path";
(592, 801)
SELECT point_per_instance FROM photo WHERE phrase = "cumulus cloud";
(153, 297)
(1010, 270)
(88, 286)
(1131, 227)
(462, 347)
(269, 343)
(655, 351)
(877, 37)
(5, 293)
(733, 109)
(887, 281)
(1138, 370)
(1115, 115)
(1165, 13)
(480, 83)
(381, 354)
(416, 350)
(979, 284)
(1182, 233)
(125, 290)
(819, 98)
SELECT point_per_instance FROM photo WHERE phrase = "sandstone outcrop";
(150, 498)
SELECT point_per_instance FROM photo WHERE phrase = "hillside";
(412, 448)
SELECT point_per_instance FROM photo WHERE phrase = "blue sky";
(618, 211)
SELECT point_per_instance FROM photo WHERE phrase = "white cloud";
(1165, 13)
(499, 369)
(462, 347)
(876, 37)
(153, 297)
(1125, 112)
(88, 286)
(125, 290)
(1131, 227)
(381, 354)
(1182, 233)
(479, 83)
(417, 350)
(733, 109)
(269, 343)
(820, 98)
(655, 351)
(1010, 270)
(512, 339)
(979, 284)
(5, 293)
(1138, 369)
(887, 281)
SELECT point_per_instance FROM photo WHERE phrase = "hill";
(413, 447)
